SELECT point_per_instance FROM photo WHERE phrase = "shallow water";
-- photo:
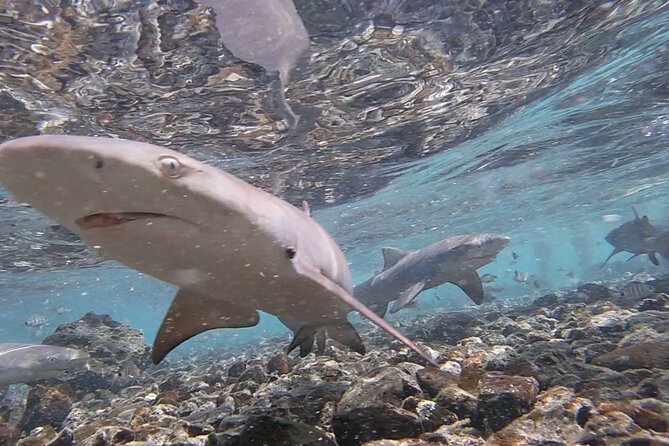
(546, 121)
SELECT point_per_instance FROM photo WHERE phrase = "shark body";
(231, 248)
(453, 260)
(407, 273)
(638, 237)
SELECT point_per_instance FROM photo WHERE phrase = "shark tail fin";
(662, 241)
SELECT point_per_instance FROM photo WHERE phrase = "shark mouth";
(108, 219)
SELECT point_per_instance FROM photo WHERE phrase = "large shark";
(453, 260)
(405, 274)
(637, 237)
(231, 248)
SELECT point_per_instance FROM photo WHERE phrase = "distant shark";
(453, 260)
(26, 363)
(405, 274)
(231, 248)
(638, 237)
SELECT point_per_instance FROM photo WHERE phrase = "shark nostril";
(290, 252)
(99, 164)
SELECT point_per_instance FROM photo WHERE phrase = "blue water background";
(545, 176)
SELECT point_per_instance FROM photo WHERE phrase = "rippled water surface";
(418, 120)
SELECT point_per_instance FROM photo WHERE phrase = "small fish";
(521, 277)
(63, 310)
(488, 278)
(36, 320)
(514, 255)
(536, 284)
(637, 290)
(571, 274)
(127, 374)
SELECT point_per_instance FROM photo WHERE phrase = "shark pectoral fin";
(614, 252)
(309, 271)
(471, 284)
(391, 256)
(653, 258)
(407, 296)
(192, 313)
(635, 255)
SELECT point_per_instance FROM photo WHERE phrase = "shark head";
(474, 250)
(145, 205)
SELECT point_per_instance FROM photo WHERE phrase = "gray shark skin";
(638, 237)
(231, 248)
(451, 260)
(26, 363)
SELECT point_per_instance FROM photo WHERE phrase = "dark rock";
(456, 400)
(255, 373)
(236, 369)
(369, 410)
(197, 429)
(593, 292)
(502, 399)
(46, 406)
(658, 303)
(431, 380)
(547, 300)
(282, 432)
(279, 364)
(123, 436)
(636, 356)
(473, 370)
(557, 418)
(171, 383)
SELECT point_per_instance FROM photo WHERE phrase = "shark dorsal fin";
(391, 256)
(305, 207)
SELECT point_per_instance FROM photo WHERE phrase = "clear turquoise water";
(545, 175)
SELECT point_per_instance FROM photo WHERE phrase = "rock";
(557, 418)
(659, 302)
(279, 364)
(611, 320)
(455, 434)
(546, 301)
(473, 370)
(431, 414)
(593, 292)
(255, 373)
(64, 438)
(107, 341)
(636, 356)
(236, 369)
(645, 418)
(45, 406)
(282, 432)
(369, 409)
(432, 380)
(606, 428)
(457, 400)
(8, 433)
(502, 399)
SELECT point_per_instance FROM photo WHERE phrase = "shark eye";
(290, 252)
(170, 166)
